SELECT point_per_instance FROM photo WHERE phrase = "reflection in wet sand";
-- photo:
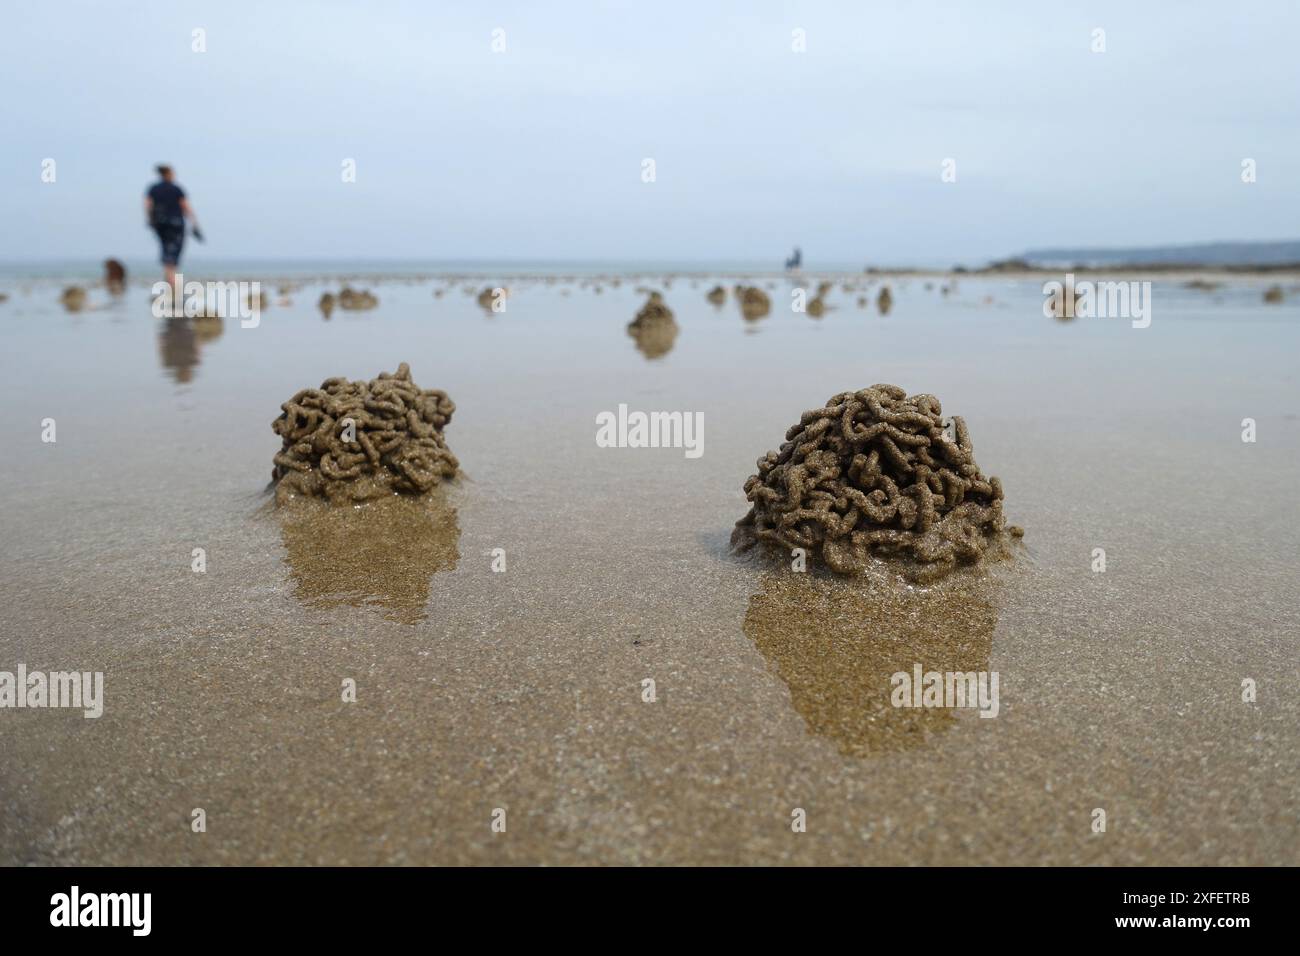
(179, 342)
(836, 644)
(381, 553)
(655, 340)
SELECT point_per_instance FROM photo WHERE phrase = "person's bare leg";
(169, 273)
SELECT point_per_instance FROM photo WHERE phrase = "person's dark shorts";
(172, 237)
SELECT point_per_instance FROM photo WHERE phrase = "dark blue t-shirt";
(167, 204)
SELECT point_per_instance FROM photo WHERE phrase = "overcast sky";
(536, 152)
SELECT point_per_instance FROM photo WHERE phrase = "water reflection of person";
(179, 343)
(836, 643)
(178, 347)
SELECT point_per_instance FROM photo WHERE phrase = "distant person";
(795, 261)
(166, 210)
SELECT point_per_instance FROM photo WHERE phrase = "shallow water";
(522, 689)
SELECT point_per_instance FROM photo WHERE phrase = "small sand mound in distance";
(655, 310)
(885, 301)
(817, 307)
(487, 299)
(73, 298)
(754, 302)
(654, 327)
(356, 299)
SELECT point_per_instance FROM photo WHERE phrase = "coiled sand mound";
(351, 441)
(876, 473)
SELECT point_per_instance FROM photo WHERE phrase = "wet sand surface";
(522, 689)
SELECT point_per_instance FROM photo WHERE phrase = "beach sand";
(522, 690)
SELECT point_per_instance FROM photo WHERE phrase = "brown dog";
(114, 276)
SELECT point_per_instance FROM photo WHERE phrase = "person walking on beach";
(166, 209)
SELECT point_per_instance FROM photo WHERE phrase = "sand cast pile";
(654, 327)
(876, 472)
(817, 306)
(350, 441)
(73, 298)
(885, 301)
(356, 299)
(653, 312)
(490, 296)
(754, 303)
